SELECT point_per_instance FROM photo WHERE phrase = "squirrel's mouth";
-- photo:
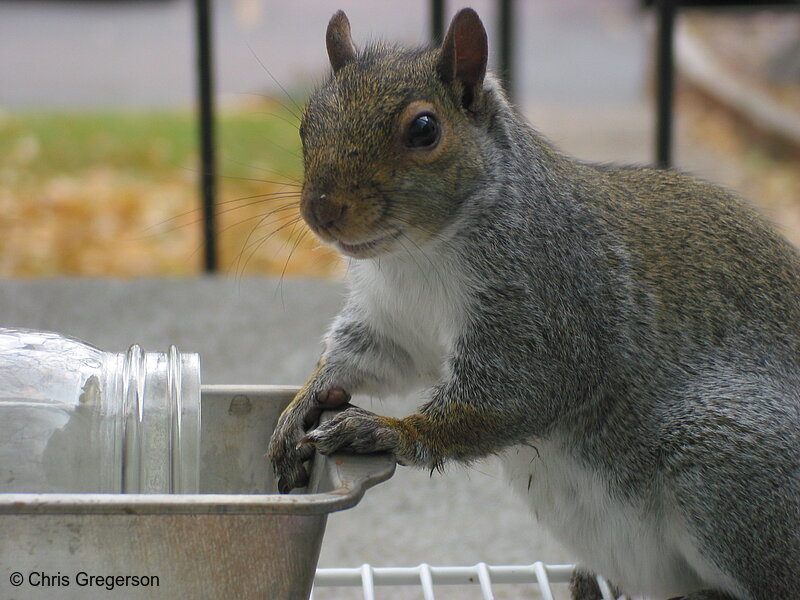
(369, 248)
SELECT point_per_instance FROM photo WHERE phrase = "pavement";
(138, 54)
(582, 67)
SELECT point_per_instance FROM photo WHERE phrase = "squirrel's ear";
(341, 49)
(464, 53)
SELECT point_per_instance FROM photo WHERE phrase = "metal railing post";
(664, 82)
(205, 98)
(437, 21)
(506, 23)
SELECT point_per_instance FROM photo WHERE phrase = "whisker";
(267, 196)
(229, 209)
(263, 66)
(271, 98)
(262, 219)
(235, 178)
(258, 243)
(290, 181)
(288, 258)
(272, 143)
(277, 116)
(149, 231)
(411, 255)
(283, 208)
(288, 220)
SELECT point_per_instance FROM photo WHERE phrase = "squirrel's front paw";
(285, 452)
(354, 430)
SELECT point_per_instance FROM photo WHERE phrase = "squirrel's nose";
(326, 213)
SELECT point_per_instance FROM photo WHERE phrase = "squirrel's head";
(391, 142)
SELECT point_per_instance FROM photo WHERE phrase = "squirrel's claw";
(286, 458)
(287, 483)
(287, 463)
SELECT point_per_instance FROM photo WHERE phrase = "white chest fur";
(418, 301)
(643, 550)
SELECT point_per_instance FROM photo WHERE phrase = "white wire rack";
(536, 577)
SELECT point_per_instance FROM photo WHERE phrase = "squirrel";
(626, 339)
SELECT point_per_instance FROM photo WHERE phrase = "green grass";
(149, 144)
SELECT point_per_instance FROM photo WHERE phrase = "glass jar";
(76, 419)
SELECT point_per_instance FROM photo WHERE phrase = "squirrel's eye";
(423, 131)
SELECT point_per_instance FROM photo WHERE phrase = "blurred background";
(98, 142)
(100, 178)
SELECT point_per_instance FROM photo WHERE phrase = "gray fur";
(646, 319)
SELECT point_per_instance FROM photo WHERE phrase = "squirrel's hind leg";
(706, 595)
(583, 586)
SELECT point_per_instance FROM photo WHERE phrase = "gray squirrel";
(626, 339)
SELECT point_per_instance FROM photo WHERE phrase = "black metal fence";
(666, 14)
(665, 72)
